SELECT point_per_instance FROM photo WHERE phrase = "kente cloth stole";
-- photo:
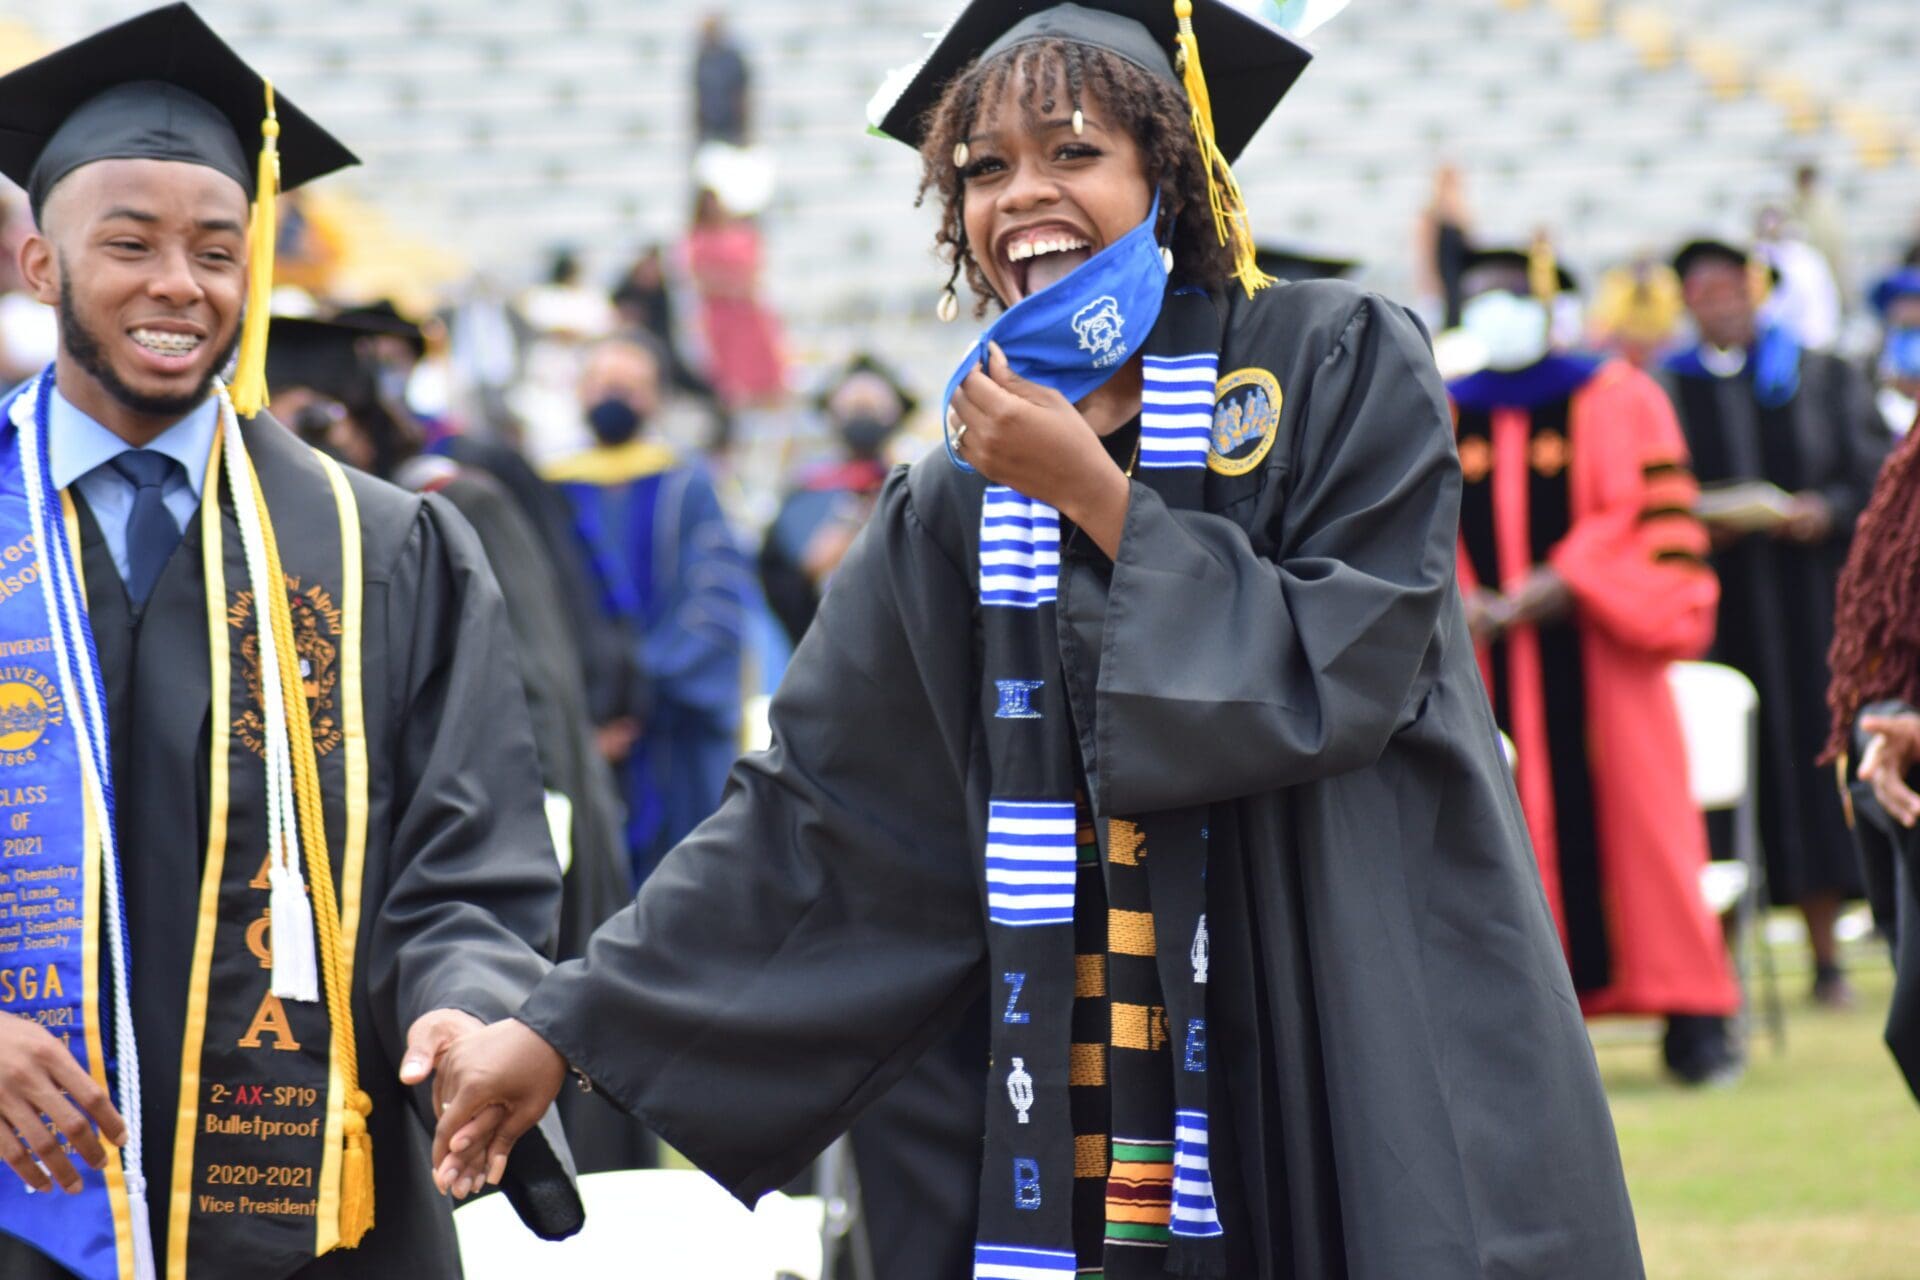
(1031, 875)
(271, 1164)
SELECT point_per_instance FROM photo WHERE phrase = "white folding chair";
(1719, 718)
(650, 1224)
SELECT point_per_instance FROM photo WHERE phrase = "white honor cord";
(58, 591)
(296, 972)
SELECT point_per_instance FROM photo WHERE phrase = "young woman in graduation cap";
(1150, 709)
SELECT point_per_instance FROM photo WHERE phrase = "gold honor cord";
(354, 852)
(356, 1173)
(1223, 190)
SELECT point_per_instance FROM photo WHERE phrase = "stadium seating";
(501, 131)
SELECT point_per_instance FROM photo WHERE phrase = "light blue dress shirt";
(81, 448)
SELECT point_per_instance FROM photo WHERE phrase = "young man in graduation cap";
(1158, 724)
(275, 830)
(1758, 410)
(1585, 575)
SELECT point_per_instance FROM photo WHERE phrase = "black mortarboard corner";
(1295, 264)
(1249, 66)
(161, 86)
(1537, 262)
(383, 319)
(321, 355)
(1715, 249)
(867, 362)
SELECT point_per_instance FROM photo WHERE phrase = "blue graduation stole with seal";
(271, 1162)
(60, 896)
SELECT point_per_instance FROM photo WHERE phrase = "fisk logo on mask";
(1099, 325)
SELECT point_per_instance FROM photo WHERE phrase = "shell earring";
(1166, 259)
(960, 155)
(949, 307)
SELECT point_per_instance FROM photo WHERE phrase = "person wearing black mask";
(828, 504)
(669, 570)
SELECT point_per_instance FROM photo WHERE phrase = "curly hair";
(1876, 627)
(1150, 109)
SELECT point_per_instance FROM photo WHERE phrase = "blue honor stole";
(60, 893)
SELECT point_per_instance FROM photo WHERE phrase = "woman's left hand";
(1031, 439)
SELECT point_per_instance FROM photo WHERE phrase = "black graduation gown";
(1776, 598)
(461, 890)
(609, 653)
(597, 884)
(1404, 1083)
(1890, 858)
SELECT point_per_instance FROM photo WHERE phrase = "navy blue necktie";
(151, 533)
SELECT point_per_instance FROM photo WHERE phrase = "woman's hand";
(1891, 753)
(1031, 439)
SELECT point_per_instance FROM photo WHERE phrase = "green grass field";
(1808, 1169)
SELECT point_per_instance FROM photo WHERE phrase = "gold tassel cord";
(1543, 270)
(249, 388)
(356, 1170)
(1229, 207)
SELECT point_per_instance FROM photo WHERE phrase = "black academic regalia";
(597, 884)
(609, 653)
(1401, 1081)
(1890, 858)
(461, 887)
(1776, 598)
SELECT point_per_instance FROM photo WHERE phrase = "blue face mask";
(1075, 333)
(1900, 356)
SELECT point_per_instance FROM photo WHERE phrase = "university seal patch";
(1246, 421)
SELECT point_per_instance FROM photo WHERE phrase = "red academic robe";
(1583, 468)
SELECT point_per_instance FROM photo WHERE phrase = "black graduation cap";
(1249, 64)
(1300, 264)
(383, 319)
(1520, 259)
(1714, 249)
(161, 86)
(320, 355)
(867, 362)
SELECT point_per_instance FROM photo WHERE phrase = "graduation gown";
(596, 882)
(461, 890)
(667, 569)
(843, 491)
(1401, 1080)
(1890, 858)
(1776, 598)
(1579, 465)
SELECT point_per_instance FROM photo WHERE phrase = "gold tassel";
(1543, 270)
(356, 1173)
(249, 389)
(1223, 191)
(356, 1166)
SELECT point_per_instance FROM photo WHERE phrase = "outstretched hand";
(493, 1084)
(45, 1096)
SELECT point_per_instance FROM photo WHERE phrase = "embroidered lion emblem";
(1098, 326)
(316, 642)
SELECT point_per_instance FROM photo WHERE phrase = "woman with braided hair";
(1875, 694)
(1149, 711)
